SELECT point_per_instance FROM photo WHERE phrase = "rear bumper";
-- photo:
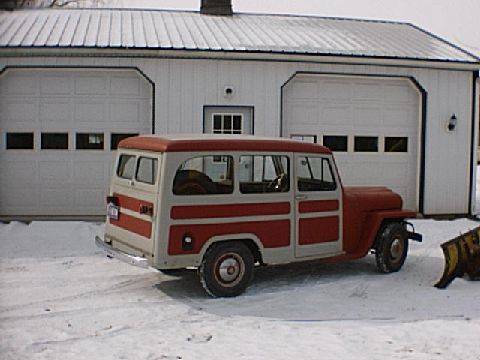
(120, 255)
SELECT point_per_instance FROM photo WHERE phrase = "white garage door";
(58, 130)
(371, 123)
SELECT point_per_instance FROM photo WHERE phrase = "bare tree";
(21, 4)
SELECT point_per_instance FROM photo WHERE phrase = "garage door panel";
(125, 111)
(125, 85)
(55, 85)
(18, 173)
(18, 198)
(89, 172)
(335, 90)
(304, 90)
(338, 115)
(18, 110)
(89, 199)
(55, 110)
(54, 172)
(381, 108)
(89, 111)
(56, 198)
(25, 84)
(67, 101)
(91, 85)
(370, 117)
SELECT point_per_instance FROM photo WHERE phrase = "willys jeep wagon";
(226, 203)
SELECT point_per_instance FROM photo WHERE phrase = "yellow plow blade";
(462, 256)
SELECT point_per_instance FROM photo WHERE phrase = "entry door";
(318, 207)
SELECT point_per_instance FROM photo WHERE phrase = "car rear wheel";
(391, 248)
(227, 269)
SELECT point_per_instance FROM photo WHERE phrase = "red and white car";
(224, 204)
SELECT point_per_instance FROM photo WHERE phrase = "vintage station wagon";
(225, 203)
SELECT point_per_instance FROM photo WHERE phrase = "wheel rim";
(229, 269)
(396, 249)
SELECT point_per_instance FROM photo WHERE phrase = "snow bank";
(60, 299)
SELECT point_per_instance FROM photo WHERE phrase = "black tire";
(226, 269)
(391, 248)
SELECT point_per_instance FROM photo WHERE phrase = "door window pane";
(54, 141)
(147, 170)
(116, 138)
(89, 141)
(204, 176)
(20, 141)
(396, 144)
(366, 144)
(227, 123)
(336, 142)
(315, 174)
(264, 174)
(126, 166)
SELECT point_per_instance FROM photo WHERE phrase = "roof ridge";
(190, 11)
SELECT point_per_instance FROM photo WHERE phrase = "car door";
(318, 207)
(134, 192)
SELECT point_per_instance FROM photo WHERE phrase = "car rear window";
(126, 166)
(146, 170)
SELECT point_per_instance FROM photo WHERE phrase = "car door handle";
(300, 197)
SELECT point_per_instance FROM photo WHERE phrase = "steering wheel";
(276, 184)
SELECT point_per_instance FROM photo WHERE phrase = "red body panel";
(272, 234)
(318, 230)
(317, 206)
(133, 224)
(225, 211)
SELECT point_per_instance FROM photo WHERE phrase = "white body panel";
(184, 86)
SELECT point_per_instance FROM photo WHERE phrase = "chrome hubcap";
(396, 249)
(230, 269)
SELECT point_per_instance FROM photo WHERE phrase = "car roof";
(213, 142)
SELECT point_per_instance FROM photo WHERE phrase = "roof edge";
(127, 52)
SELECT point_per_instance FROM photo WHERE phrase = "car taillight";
(112, 199)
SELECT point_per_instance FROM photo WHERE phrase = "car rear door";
(318, 207)
(133, 197)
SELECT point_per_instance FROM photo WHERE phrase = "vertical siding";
(183, 87)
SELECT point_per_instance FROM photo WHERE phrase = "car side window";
(204, 175)
(264, 174)
(315, 174)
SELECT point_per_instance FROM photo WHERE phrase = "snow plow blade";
(462, 256)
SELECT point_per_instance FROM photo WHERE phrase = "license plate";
(112, 211)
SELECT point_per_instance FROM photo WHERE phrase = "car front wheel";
(391, 248)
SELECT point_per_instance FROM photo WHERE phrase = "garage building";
(396, 104)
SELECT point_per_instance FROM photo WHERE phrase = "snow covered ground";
(61, 299)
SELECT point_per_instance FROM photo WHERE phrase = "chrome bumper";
(120, 255)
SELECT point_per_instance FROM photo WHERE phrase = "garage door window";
(54, 141)
(366, 144)
(336, 142)
(19, 141)
(89, 141)
(227, 123)
(116, 138)
(396, 144)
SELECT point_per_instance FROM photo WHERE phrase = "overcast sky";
(454, 20)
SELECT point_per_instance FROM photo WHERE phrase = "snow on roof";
(186, 30)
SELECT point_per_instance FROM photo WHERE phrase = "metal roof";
(254, 33)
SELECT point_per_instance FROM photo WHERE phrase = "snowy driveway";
(61, 299)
